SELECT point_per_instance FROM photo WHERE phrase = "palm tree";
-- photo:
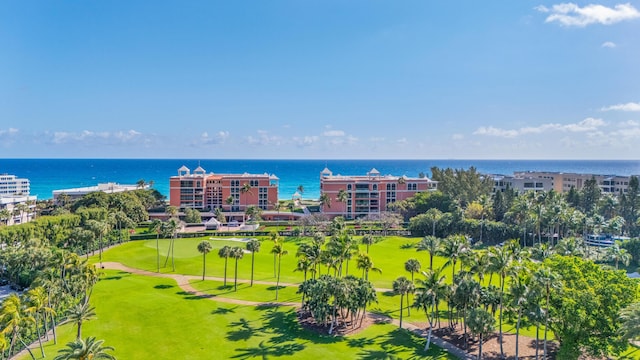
(14, 318)
(38, 301)
(225, 252)
(229, 201)
(204, 247)
(519, 297)
(237, 253)
(85, 350)
(368, 240)
(547, 280)
(412, 266)
(500, 259)
(80, 313)
(434, 215)
(630, 321)
(617, 254)
(342, 197)
(156, 226)
(325, 200)
(429, 293)
(454, 247)
(480, 322)
(253, 245)
(365, 263)
(100, 229)
(485, 206)
(5, 215)
(245, 189)
(432, 245)
(478, 264)
(170, 228)
(402, 286)
(278, 250)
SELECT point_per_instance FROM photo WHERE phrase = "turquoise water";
(47, 175)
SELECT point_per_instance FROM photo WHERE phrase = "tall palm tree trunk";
(546, 325)
(501, 300)
(158, 251)
(278, 280)
(401, 306)
(235, 277)
(252, 262)
(225, 271)
(204, 265)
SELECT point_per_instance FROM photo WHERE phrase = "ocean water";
(47, 175)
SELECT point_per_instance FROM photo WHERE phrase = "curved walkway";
(183, 283)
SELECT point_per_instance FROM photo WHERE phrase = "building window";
(348, 186)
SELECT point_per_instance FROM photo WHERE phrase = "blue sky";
(320, 79)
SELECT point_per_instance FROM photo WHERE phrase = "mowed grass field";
(152, 318)
(389, 255)
(144, 315)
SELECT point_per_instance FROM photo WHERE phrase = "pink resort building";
(368, 194)
(230, 192)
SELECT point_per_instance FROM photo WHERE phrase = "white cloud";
(402, 141)
(492, 131)
(609, 44)
(8, 132)
(305, 140)
(588, 124)
(264, 139)
(102, 137)
(333, 133)
(457, 137)
(630, 106)
(629, 124)
(570, 14)
(217, 138)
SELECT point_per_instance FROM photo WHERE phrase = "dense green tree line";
(464, 204)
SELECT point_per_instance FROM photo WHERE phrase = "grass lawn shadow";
(223, 311)
(187, 295)
(361, 342)
(267, 351)
(243, 331)
(164, 286)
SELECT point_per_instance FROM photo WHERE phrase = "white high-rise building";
(15, 198)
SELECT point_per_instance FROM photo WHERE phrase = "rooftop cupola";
(183, 171)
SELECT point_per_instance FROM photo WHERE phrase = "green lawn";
(145, 317)
(389, 255)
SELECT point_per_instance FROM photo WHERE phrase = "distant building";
(368, 194)
(70, 195)
(12, 185)
(563, 182)
(15, 199)
(521, 184)
(202, 191)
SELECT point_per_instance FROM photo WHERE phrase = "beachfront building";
(521, 184)
(16, 205)
(367, 194)
(232, 193)
(65, 196)
(12, 185)
(563, 182)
